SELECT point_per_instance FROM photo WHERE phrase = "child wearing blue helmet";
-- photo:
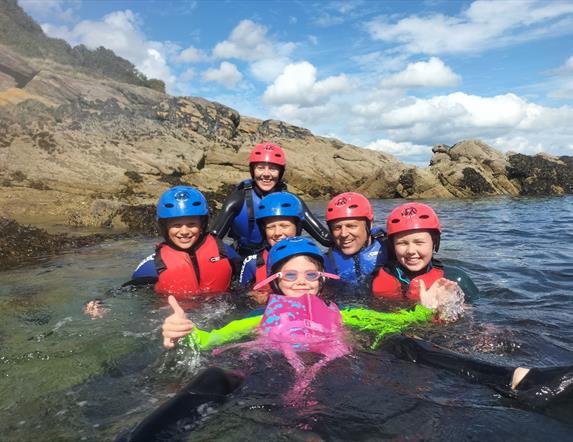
(295, 273)
(279, 215)
(190, 261)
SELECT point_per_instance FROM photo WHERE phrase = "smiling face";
(266, 176)
(350, 234)
(277, 228)
(184, 231)
(301, 285)
(413, 249)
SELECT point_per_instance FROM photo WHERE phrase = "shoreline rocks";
(92, 151)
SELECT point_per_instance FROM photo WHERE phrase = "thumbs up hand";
(176, 325)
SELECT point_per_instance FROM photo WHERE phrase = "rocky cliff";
(80, 146)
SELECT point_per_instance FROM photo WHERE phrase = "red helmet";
(412, 216)
(349, 205)
(268, 153)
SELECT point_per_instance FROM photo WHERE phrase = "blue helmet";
(289, 248)
(281, 204)
(181, 201)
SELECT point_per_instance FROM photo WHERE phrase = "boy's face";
(301, 286)
(350, 234)
(277, 228)
(184, 231)
(413, 249)
(266, 176)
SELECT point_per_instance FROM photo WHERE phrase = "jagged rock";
(420, 184)
(471, 168)
(542, 174)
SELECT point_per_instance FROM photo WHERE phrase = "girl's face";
(266, 176)
(184, 231)
(413, 249)
(301, 286)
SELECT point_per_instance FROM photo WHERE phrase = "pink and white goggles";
(292, 275)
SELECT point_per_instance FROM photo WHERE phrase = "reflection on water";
(65, 376)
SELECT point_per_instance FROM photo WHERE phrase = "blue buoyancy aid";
(355, 268)
(244, 229)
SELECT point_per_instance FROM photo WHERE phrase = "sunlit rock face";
(84, 139)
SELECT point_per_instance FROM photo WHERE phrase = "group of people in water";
(294, 282)
(193, 260)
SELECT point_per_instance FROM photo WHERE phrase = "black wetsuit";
(539, 388)
(238, 216)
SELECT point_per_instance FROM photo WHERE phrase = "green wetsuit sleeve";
(233, 331)
(383, 323)
(456, 274)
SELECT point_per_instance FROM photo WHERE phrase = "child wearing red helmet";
(414, 231)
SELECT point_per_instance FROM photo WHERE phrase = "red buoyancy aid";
(179, 278)
(385, 285)
(262, 271)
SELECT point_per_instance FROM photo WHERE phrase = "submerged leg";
(418, 350)
(543, 386)
(180, 412)
(535, 386)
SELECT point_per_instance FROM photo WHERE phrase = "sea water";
(66, 376)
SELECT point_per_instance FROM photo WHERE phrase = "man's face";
(350, 234)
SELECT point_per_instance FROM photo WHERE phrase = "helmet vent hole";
(196, 203)
(169, 205)
(262, 207)
(281, 248)
(330, 209)
(285, 204)
(353, 206)
(424, 216)
(395, 221)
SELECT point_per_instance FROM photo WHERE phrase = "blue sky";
(395, 76)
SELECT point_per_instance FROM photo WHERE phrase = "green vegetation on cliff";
(21, 33)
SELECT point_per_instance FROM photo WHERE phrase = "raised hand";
(176, 325)
(444, 296)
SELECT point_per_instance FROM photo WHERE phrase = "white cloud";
(568, 66)
(326, 20)
(187, 75)
(405, 151)
(191, 55)
(269, 69)
(120, 32)
(227, 74)
(249, 41)
(297, 85)
(431, 73)
(504, 121)
(50, 9)
(483, 25)
(564, 89)
(317, 115)
(562, 82)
